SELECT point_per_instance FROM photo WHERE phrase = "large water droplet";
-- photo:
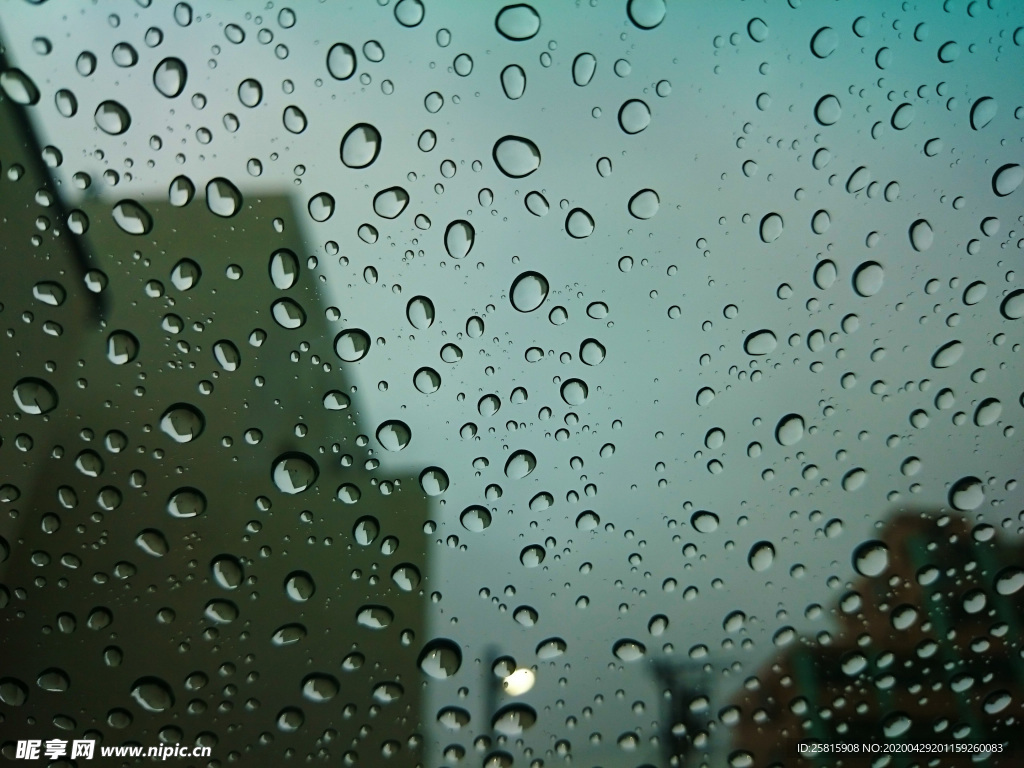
(771, 228)
(871, 558)
(111, 117)
(34, 396)
(644, 204)
(320, 687)
(1010, 580)
(426, 380)
(375, 617)
(868, 278)
(760, 342)
(592, 352)
(186, 502)
(948, 354)
(440, 659)
(517, 22)
(574, 392)
(320, 207)
(757, 29)
(921, 235)
(513, 719)
(341, 61)
(152, 694)
(459, 238)
(475, 519)
(516, 156)
(1007, 179)
(434, 481)
(19, 87)
(170, 77)
(1012, 307)
(284, 268)
(394, 435)
(299, 586)
(988, 412)
(294, 119)
(982, 112)
(152, 542)
(828, 110)
(537, 204)
(824, 42)
(182, 422)
(520, 464)
(902, 117)
(122, 347)
(634, 116)
(352, 345)
(646, 14)
(949, 52)
(409, 13)
(513, 81)
(366, 530)
(854, 479)
(288, 314)
(420, 312)
(223, 197)
(704, 521)
(132, 218)
(360, 146)
(579, 224)
(532, 556)
(181, 191)
(629, 650)
(790, 429)
(583, 68)
(389, 203)
(294, 472)
(825, 274)
(761, 556)
(529, 291)
(967, 493)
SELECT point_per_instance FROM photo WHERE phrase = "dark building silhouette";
(928, 651)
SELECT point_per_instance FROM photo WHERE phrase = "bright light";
(519, 682)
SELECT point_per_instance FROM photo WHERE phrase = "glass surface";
(470, 383)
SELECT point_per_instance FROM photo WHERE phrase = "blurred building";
(928, 650)
(201, 539)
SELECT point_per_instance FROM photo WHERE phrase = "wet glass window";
(424, 383)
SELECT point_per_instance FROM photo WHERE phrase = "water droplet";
(284, 268)
(854, 479)
(760, 342)
(420, 312)
(132, 218)
(646, 14)
(1007, 179)
(360, 146)
(375, 617)
(488, 405)
(1012, 307)
(288, 314)
(949, 52)
(825, 274)
(579, 224)
(520, 464)
(871, 558)
(186, 502)
(634, 116)
(181, 191)
(320, 207)
(983, 111)
(975, 292)
(537, 204)
(152, 542)
(704, 521)
(112, 118)
(820, 222)
(85, 63)
(66, 103)
(592, 352)
(588, 520)
(517, 22)
(320, 687)
(583, 68)
(771, 228)
(531, 557)
(459, 238)
(757, 29)
(290, 719)
(451, 353)
(761, 556)
(475, 519)
(223, 198)
(988, 412)
(828, 110)
(644, 204)
(122, 347)
(294, 119)
(529, 291)
(152, 694)
(227, 571)
(366, 530)
(574, 392)
(426, 380)
(967, 493)
(19, 87)
(440, 659)
(409, 13)
(394, 435)
(1009, 580)
(294, 472)
(182, 422)
(868, 279)
(789, 430)
(824, 42)
(902, 117)
(185, 275)
(352, 345)
(705, 395)
(170, 77)
(299, 586)
(434, 481)
(389, 203)
(513, 719)
(921, 235)
(629, 650)
(948, 354)
(513, 81)
(516, 156)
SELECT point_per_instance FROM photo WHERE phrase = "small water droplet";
(170, 77)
